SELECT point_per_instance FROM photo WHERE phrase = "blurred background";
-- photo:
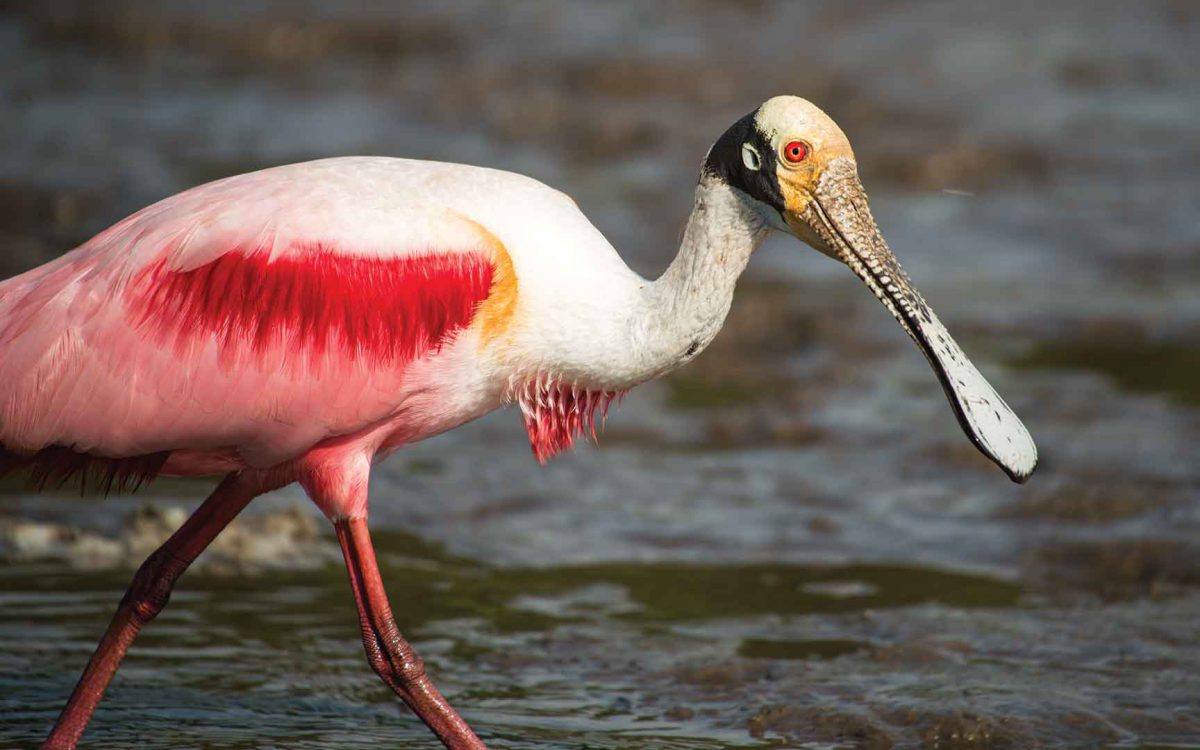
(788, 543)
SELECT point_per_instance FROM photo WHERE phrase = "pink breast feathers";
(319, 303)
(556, 414)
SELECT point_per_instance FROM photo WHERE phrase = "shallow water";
(608, 655)
(275, 657)
(788, 543)
(673, 650)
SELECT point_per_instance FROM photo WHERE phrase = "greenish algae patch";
(435, 585)
(1170, 368)
(831, 648)
(697, 392)
(680, 591)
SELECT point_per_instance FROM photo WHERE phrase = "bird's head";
(795, 165)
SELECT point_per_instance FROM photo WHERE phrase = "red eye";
(795, 151)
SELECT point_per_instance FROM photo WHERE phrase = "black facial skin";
(725, 162)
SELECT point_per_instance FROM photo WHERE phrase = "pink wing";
(252, 317)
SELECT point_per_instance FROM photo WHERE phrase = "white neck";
(628, 330)
(681, 312)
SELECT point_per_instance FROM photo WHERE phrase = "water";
(788, 543)
(659, 653)
(604, 655)
(276, 655)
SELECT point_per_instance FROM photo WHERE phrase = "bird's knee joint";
(398, 664)
(409, 669)
(151, 588)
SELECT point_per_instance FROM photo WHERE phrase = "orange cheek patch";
(795, 191)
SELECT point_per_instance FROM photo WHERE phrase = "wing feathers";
(318, 304)
(250, 318)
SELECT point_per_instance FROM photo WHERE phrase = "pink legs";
(146, 597)
(389, 654)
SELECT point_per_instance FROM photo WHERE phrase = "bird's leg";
(392, 658)
(145, 598)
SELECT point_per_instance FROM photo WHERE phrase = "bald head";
(783, 118)
(777, 153)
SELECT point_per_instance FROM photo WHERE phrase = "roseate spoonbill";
(300, 323)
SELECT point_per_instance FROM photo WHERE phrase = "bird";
(298, 324)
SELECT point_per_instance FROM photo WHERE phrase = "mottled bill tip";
(984, 416)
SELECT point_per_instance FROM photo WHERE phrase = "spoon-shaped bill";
(840, 218)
